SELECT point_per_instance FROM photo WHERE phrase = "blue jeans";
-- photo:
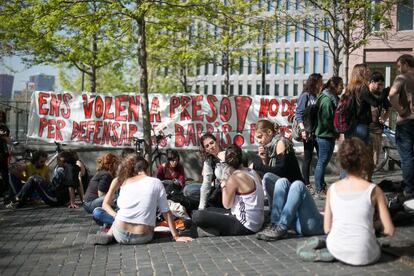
(101, 217)
(293, 207)
(325, 150)
(404, 138)
(91, 205)
(192, 191)
(124, 237)
(361, 131)
(269, 181)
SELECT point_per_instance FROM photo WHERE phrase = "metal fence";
(17, 113)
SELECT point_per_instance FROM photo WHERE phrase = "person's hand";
(303, 135)
(262, 152)
(222, 156)
(73, 206)
(183, 239)
(341, 138)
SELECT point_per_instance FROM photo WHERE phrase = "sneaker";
(11, 205)
(320, 196)
(271, 233)
(100, 238)
(310, 189)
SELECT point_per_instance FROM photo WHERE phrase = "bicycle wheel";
(158, 160)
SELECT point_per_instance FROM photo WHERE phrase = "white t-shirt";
(138, 201)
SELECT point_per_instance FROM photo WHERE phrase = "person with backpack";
(402, 99)
(359, 102)
(325, 132)
(303, 117)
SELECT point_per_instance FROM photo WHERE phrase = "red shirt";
(167, 173)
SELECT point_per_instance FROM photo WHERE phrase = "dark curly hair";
(355, 157)
(108, 162)
(131, 166)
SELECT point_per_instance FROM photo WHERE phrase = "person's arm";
(300, 107)
(384, 214)
(208, 174)
(280, 167)
(107, 202)
(394, 96)
(327, 217)
(82, 172)
(169, 218)
(72, 198)
(367, 97)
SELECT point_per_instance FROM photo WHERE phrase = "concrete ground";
(39, 240)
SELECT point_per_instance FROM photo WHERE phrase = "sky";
(22, 73)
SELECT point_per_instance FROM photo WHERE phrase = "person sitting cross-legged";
(292, 207)
(349, 213)
(139, 198)
(106, 166)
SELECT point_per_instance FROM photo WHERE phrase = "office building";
(43, 82)
(6, 86)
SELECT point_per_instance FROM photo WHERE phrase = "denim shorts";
(125, 237)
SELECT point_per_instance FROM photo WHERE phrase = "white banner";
(113, 120)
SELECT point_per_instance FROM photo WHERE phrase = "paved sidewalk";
(52, 241)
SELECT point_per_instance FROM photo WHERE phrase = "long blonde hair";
(359, 79)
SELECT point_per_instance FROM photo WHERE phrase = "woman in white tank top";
(242, 193)
(349, 212)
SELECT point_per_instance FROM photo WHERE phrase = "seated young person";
(21, 173)
(61, 190)
(276, 157)
(100, 216)
(139, 198)
(242, 193)
(349, 213)
(106, 166)
(172, 171)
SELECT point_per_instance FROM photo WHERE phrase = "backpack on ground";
(345, 114)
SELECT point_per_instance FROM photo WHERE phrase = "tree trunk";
(143, 86)
(94, 46)
(346, 46)
(336, 55)
(264, 61)
(227, 76)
